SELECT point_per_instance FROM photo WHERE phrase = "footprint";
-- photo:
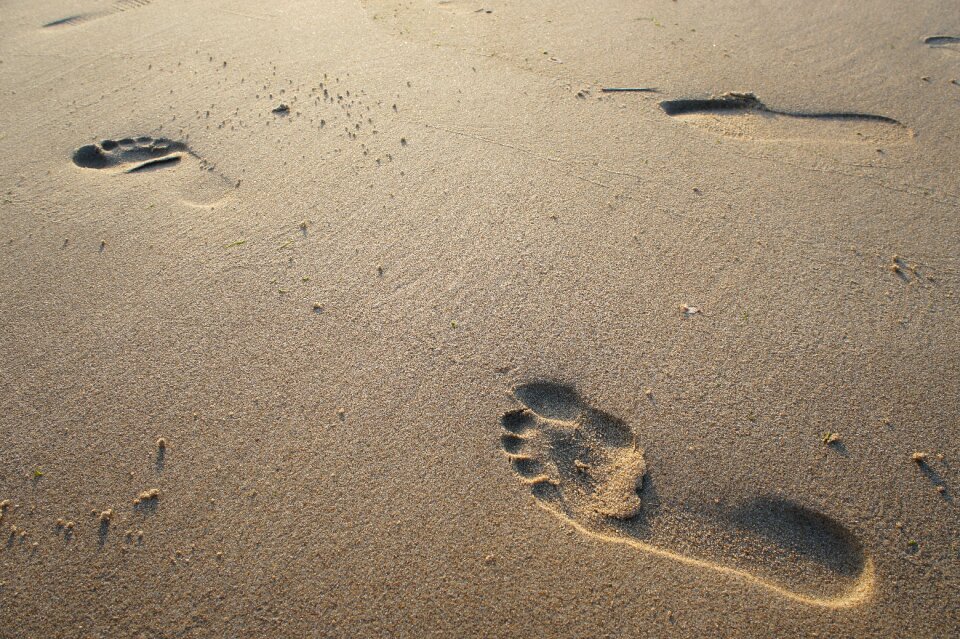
(202, 185)
(586, 467)
(80, 18)
(453, 22)
(463, 6)
(129, 155)
(743, 115)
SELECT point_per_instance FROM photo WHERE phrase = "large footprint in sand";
(197, 182)
(587, 468)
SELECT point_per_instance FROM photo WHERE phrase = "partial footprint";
(743, 115)
(78, 19)
(586, 467)
(201, 185)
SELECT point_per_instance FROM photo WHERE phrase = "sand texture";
(361, 318)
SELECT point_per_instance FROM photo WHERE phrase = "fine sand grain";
(395, 318)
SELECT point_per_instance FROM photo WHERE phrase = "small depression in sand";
(588, 469)
(744, 116)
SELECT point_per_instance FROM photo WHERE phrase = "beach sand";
(382, 318)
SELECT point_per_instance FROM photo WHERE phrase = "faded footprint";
(118, 6)
(587, 468)
(199, 183)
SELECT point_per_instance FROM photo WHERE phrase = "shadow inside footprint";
(941, 41)
(801, 532)
(584, 466)
(550, 400)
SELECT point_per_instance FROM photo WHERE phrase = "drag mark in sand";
(743, 115)
(118, 7)
(585, 467)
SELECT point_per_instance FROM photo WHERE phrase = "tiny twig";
(628, 90)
